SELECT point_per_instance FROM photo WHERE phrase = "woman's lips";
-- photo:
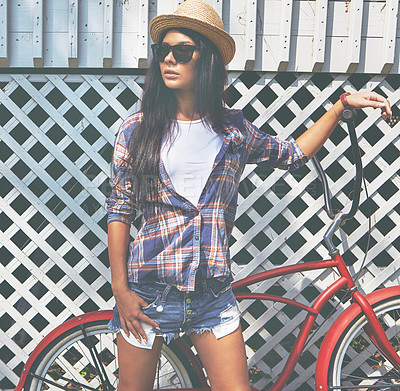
(169, 74)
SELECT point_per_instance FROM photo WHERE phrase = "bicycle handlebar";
(349, 115)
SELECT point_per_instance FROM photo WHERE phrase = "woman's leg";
(137, 366)
(224, 360)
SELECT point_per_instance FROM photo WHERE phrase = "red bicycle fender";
(90, 317)
(340, 324)
(78, 320)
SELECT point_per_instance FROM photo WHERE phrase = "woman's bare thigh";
(224, 360)
(137, 366)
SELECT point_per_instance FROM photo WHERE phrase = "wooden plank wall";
(334, 36)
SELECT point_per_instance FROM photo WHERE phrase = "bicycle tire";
(66, 363)
(356, 362)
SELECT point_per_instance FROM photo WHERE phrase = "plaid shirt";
(179, 241)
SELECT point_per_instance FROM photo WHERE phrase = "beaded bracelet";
(343, 99)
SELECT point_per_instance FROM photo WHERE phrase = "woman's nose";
(170, 57)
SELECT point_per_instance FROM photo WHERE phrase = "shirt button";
(197, 237)
(189, 312)
(188, 301)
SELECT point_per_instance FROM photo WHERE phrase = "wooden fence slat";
(86, 112)
(4, 33)
(320, 34)
(251, 29)
(73, 34)
(38, 33)
(111, 101)
(354, 43)
(57, 222)
(143, 34)
(218, 6)
(54, 186)
(389, 43)
(69, 271)
(108, 33)
(285, 34)
(58, 118)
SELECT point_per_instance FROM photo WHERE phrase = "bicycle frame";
(374, 331)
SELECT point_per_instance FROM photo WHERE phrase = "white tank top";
(190, 158)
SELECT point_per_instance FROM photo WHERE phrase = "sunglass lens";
(161, 51)
(183, 54)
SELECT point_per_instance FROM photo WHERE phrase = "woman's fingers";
(139, 332)
(144, 318)
(133, 326)
(129, 307)
(370, 99)
(382, 103)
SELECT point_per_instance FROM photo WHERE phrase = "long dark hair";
(159, 109)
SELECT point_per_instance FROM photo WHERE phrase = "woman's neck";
(186, 111)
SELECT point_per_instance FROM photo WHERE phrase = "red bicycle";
(359, 352)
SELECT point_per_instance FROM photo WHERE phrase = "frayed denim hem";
(220, 330)
(168, 337)
(112, 327)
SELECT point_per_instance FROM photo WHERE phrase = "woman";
(179, 162)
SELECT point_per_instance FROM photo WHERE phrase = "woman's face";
(178, 76)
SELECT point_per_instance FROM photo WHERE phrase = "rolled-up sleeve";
(271, 152)
(120, 204)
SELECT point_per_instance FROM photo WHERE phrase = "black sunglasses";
(182, 53)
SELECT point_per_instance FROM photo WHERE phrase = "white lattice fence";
(56, 137)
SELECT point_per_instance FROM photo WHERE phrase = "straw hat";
(199, 16)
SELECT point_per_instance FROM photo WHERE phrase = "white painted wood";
(354, 44)
(285, 34)
(295, 35)
(38, 33)
(73, 33)
(69, 271)
(251, 26)
(143, 33)
(320, 34)
(389, 38)
(108, 33)
(217, 5)
(3, 33)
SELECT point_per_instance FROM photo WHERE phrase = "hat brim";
(220, 38)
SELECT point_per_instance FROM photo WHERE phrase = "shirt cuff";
(119, 217)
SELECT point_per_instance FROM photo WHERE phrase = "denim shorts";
(211, 307)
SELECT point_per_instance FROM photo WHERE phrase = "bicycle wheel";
(356, 363)
(85, 358)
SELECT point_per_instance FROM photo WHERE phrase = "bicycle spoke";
(101, 372)
(89, 363)
(360, 363)
(67, 387)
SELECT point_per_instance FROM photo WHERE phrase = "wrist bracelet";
(343, 99)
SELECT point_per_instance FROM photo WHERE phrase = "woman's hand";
(129, 306)
(314, 137)
(370, 99)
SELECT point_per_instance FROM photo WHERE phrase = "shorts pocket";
(232, 312)
(146, 293)
(217, 291)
